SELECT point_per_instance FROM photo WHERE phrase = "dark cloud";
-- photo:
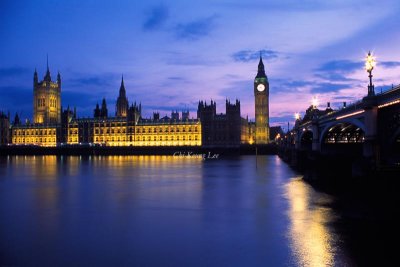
(328, 87)
(180, 58)
(236, 89)
(341, 66)
(13, 71)
(287, 86)
(250, 55)
(156, 18)
(90, 80)
(16, 99)
(196, 29)
(80, 98)
(389, 64)
(337, 70)
(334, 76)
(176, 78)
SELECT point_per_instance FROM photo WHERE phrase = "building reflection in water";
(312, 241)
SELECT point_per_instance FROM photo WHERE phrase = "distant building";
(222, 130)
(121, 109)
(261, 95)
(46, 99)
(52, 126)
(4, 128)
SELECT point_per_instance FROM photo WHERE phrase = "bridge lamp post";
(369, 66)
(314, 102)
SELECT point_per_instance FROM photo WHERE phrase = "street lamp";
(297, 116)
(370, 63)
(314, 102)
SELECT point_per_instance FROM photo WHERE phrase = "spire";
(122, 91)
(59, 79)
(261, 69)
(35, 78)
(47, 77)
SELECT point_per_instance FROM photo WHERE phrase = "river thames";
(167, 211)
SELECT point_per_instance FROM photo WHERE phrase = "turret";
(122, 91)
(104, 110)
(47, 77)
(261, 69)
(59, 80)
(35, 78)
(16, 119)
(122, 105)
(96, 111)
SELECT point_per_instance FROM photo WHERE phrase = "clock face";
(260, 87)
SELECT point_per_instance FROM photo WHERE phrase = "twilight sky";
(174, 53)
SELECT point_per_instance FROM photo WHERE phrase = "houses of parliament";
(54, 126)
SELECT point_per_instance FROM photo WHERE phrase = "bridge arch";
(351, 126)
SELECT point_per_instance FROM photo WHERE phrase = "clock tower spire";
(261, 95)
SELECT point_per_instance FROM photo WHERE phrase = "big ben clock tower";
(261, 95)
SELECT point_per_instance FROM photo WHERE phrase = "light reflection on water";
(312, 241)
(161, 210)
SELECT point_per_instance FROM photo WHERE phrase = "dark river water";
(165, 211)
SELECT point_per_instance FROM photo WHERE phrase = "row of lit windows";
(108, 131)
(35, 132)
(156, 143)
(140, 130)
(53, 103)
(34, 140)
(166, 138)
(41, 102)
(166, 129)
(148, 138)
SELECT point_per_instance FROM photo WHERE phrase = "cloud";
(16, 99)
(250, 55)
(196, 29)
(176, 78)
(90, 80)
(13, 71)
(338, 70)
(335, 77)
(184, 59)
(389, 64)
(156, 18)
(279, 86)
(81, 98)
(328, 87)
(341, 66)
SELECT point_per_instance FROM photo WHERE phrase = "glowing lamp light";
(370, 62)
(297, 116)
(314, 102)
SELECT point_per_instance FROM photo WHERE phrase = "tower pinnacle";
(261, 69)
(47, 77)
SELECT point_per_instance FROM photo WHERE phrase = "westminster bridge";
(368, 129)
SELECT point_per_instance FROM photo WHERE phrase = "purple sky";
(174, 53)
